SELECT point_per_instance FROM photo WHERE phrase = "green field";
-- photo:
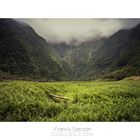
(70, 101)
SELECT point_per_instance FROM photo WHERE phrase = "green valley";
(70, 101)
(69, 70)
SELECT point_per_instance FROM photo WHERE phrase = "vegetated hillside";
(70, 101)
(114, 58)
(76, 57)
(118, 57)
(23, 53)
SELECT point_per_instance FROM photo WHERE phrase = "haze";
(67, 30)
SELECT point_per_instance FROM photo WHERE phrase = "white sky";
(66, 30)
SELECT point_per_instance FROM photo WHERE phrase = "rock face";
(77, 57)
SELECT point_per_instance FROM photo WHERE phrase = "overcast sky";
(66, 30)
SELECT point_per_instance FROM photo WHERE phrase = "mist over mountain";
(25, 54)
(71, 30)
(115, 57)
(76, 57)
(118, 57)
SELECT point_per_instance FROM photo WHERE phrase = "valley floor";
(70, 101)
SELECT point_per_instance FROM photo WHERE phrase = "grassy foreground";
(70, 101)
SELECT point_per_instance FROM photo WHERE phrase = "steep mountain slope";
(115, 57)
(76, 57)
(24, 53)
(118, 57)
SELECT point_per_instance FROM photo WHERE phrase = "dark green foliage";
(76, 57)
(24, 53)
(118, 57)
(115, 57)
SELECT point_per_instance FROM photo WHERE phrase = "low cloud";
(66, 30)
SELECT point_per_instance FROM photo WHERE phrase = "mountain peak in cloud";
(78, 30)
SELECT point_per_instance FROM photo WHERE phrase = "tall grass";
(87, 101)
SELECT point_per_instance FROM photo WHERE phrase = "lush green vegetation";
(24, 54)
(70, 101)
